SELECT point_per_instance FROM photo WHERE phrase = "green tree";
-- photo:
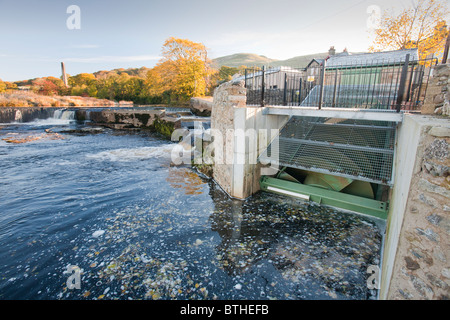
(83, 84)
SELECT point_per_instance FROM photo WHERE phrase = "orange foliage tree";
(49, 86)
(2, 86)
(184, 69)
(422, 26)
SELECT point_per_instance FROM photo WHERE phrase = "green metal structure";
(324, 196)
(337, 162)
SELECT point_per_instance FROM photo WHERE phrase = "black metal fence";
(277, 86)
(380, 85)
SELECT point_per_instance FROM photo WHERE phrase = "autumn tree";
(184, 69)
(49, 86)
(225, 74)
(422, 26)
(83, 84)
(2, 86)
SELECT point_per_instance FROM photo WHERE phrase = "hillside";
(250, 60)
(242, 59)
(299, 61)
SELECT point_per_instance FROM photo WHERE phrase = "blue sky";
(128, 34)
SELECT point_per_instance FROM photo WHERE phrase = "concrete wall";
(259, 130)
(416, 255)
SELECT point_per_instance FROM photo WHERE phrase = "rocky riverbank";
(30, 99)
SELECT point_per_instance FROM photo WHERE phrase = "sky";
(37, 35)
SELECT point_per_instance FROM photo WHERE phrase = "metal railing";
(382, 85)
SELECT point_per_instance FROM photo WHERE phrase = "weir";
(28, 114)
(163, 120)
(363, 160)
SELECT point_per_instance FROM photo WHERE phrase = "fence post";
(300, 93)
(401, 87)
(285, 90)
(322, 82)
(263, 84)
(245, 79)
(335, 88)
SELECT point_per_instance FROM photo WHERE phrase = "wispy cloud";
(113, 59)
(84, 46)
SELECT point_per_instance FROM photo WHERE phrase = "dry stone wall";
(422, 264)
(438, 92)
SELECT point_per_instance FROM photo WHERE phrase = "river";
(110, 204)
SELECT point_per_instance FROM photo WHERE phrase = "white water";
(18, 116)
(64, 115)
(125, 155)
(60, 118)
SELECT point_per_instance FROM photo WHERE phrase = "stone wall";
(422, 262)
(438, 92)
(226, 97)
(154, 120)
(201, 106)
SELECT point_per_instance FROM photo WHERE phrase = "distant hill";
(251, 60)
(300, 61)
(242, 59)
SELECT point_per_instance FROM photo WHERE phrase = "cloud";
(113, 59)
(84, 46)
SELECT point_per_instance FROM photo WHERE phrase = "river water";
(111, 204)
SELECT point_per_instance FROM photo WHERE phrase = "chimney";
(64, 75)
(332, 51)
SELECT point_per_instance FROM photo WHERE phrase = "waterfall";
(18, 116)
(64, 114)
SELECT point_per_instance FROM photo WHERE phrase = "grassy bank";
(30, 99)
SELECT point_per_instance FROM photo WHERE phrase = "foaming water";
(60, 118)
(133, 154)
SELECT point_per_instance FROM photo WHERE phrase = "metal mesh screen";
(358, 149)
